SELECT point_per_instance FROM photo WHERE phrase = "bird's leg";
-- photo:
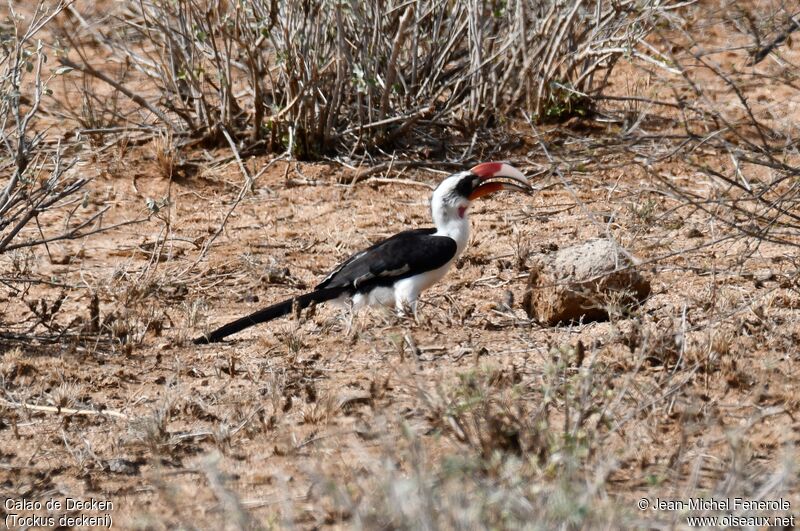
(413, 305)
(350, 313)
(400, 307)
(406, 309)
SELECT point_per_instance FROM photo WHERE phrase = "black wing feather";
(267, 314)
(403, 255)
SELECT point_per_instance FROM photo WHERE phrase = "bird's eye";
(475, 182)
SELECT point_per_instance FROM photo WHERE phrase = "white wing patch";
(395, 272)
(361, 279)
(341, 266)
(385, 273)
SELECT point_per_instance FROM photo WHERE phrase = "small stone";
(694, 232)
(119, 465)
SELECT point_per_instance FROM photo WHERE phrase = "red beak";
(494, 170)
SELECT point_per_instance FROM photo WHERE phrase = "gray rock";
(584, 282)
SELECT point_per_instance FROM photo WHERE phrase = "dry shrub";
(313, 78)
(37, 179)
(742, 154)
(44, 195)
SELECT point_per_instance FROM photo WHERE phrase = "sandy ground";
(337, 420)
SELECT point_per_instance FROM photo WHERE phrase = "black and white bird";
(395, 271)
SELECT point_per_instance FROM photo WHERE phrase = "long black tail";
(267, 314)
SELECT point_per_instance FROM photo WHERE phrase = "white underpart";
(403, 295)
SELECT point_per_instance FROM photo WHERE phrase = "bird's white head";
(455, 194)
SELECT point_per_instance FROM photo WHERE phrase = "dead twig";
(64, 410)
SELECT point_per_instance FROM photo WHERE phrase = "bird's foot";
(349, 320)
(407, 312)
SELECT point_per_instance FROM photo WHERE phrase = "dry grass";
(475, 417)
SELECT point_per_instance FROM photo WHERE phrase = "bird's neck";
(454, 225)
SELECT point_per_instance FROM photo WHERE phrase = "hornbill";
(394, 271)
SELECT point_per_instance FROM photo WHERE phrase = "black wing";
(403, 255)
